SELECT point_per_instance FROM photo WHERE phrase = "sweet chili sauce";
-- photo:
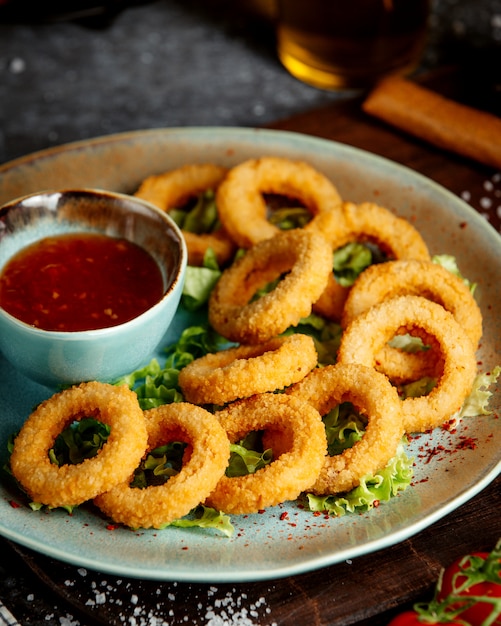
(80, 281)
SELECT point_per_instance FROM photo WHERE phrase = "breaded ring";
(364, 338)
(365, 223)
(157, 505)
(173, 189)
(284, 478)
(240, 202)
(372, 394)
(243, 371)
(70, 485)
(418, 278)
(307, 258)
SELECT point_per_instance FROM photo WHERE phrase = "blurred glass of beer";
(350, 44)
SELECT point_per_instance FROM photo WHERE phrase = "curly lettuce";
(200, 281)
(383, 485)
(201, 217)
(156, 385)
(350, 261)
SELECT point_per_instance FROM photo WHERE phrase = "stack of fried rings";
(413, 277)
(363, 340)
(242, 212)
(304, 256)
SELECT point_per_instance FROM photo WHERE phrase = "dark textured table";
(187, 63)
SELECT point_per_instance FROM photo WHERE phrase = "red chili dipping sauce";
(81, 281)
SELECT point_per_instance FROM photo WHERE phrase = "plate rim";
(325, 559)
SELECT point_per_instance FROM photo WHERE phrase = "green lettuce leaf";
(415, 389)
(206, 517)
(200, 281)
(287, 218)
(79, 441)
(449, 262)
(478, 400)
(155, 385)
(408, 343)
(200, 218)
(385, 484)
(350, 261)
(344, 426)
(325, 334)
(159, 465)
(244, 461)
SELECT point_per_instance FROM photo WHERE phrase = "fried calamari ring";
(307, 258)
(284, 478)
(240, 202)
(418, 278)
(157, 505)
(243, 371)
(364, 338)
(372, 394)
(173, 189)
(365, 223)
(70, 485)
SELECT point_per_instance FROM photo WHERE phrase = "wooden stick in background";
(438, 120)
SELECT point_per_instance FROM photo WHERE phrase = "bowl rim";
(179, 273)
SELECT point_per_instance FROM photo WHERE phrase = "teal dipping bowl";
(55, 358)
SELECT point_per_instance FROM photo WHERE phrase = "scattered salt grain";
(17, 65)
(68, 621)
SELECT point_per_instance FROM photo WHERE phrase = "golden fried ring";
(372, 394)
(243, 371)
(284, 478)
(364, 338)
(366, 223)
(240, 202)
(420, 278)
(157, 505)
(306, 257)
(70, 485)
(173, 189)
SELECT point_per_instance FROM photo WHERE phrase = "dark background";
(74, 70)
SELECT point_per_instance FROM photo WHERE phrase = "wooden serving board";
(369, 589)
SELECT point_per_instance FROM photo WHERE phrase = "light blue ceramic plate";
(265, 546)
